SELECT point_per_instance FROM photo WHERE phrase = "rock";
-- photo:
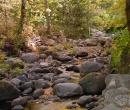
(71, 106)
(61, 80)
(27, 85)
(54, 98)
(99, 48)
(28, 97)
(41, 84)
(71, 68)
(19, 101)
(15, 81)
(42, 49)
(93, 83)
(112, 107)
(81, 54)
(26, 91)
(100, 107)
(42, 56)
(44, 65)
(36, 70)
(91, 105)
(117, 91)
(109, 77)
(63, 58)
(111, 96)
(55, 70)
(52, 53)
(67, 89)
(37, 93)
(91, 42)
(29, 57)
(56, 63)
(100, 60)
(77, 69)
(45, 70)
(83, 100)
(23, 78)
(18, 107)
(88, 67)
(49, 76)
(13, 62)
(8, 91)
(97, 33)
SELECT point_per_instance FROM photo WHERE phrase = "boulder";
(29, 57)
(117, 91)
(93, 83)
(67, 89)
(88, 67)
(8, 91)
(112, 107)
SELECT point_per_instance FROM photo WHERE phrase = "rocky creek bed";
(57, 80)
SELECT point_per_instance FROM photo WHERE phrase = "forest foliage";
(75, 18)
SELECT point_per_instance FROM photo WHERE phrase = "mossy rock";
(93, 83)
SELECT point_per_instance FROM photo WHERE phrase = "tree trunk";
(22, 15)
(48, 17)
(128, 14)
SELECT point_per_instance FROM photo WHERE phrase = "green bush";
(121, 53)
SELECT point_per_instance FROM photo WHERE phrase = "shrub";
(121, 53)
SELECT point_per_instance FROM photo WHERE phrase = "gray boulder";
(93, 83)
(8, 91)
(88, 67)
(117, 90)
(67, 89)
(112, 107)
(29, 57)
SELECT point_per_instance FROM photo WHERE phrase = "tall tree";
(128, 13)
(48, 17)
(22, 15)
